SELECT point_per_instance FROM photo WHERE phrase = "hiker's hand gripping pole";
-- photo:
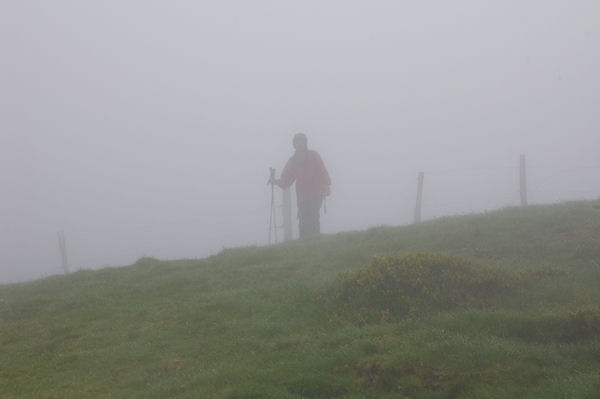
(272, 180)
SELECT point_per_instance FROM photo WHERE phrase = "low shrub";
(395, 286)
(580, 325)
(576, 326)
(146, 261)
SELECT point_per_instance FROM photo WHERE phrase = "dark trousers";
(308, 216)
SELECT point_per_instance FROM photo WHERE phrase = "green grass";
(252, 322)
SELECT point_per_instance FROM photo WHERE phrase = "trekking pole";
(273, 213)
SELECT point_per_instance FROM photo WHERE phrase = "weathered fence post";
(62, 247)
(523, 180)
(286, 209)
(418, 205)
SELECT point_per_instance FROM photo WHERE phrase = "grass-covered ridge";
(252, 322)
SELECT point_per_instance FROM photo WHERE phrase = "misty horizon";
(146, 129)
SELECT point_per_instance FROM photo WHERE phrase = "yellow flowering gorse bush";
(418, 282)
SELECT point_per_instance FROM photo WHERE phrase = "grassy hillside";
(305, 319)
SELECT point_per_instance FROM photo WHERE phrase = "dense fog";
(147, 128)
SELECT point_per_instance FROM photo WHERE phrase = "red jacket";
(308, 170)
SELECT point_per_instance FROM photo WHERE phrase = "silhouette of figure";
(307, 169)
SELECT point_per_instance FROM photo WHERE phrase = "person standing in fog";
(307, 169)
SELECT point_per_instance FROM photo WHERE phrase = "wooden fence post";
(523, 180)
(286, 209)
(62, 246)
(419, 203)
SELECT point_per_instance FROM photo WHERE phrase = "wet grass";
(248, 322)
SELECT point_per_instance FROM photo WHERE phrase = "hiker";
(307, 169)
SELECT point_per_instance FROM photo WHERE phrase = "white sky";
(146, 128)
